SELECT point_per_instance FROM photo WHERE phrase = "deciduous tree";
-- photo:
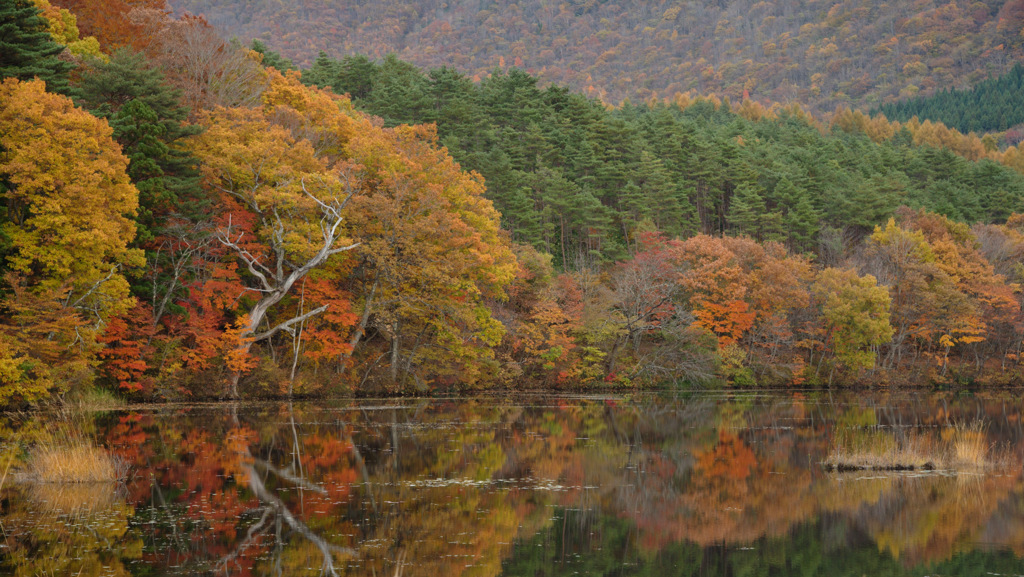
(283, 212)
(855, 311)
(68, 221)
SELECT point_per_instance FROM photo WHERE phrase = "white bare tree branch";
(327, 550)
(293, 479)
(287, 325)
(276, 279)
(92, 290)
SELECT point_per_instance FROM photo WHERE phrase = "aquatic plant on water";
(960, 446)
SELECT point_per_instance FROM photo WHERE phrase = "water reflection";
(707, 485)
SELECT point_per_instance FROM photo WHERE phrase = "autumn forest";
(190, 216)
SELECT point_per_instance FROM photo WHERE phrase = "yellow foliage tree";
(66, 230)
(63, 27)
(425, 242)
(856, 314)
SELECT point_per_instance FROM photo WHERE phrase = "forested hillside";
(190, 217)
(823, 54)
(993, 105)
(579, 181)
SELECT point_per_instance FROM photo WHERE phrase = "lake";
(649, 484)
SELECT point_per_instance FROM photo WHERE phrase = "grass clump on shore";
(66, 454)
(968, 446)
(88, 399)
(876, 449)
(961, 447)
(53, 461)
(73, 462)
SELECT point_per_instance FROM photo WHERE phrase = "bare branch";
(287, 325)
(257, 528)
(277, 283)
(250, 260)
(298, 481)
(92, 289)
(327, 550)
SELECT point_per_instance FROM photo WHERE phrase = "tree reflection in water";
(713, 484)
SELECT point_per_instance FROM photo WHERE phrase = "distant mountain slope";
(992, 105)
(820, 52)
(582, 182)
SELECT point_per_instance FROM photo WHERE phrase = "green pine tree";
(355, 76)
(661, 196)
(399, 90)
(323, 73)
(633, 211)
(270, 58)
(802, 222)
(746, 209)
(148, 121)
(27, 50)
(520, 218)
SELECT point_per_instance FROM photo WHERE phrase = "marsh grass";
(876, 449)
(75, 498)
(8, 461)
(959, 447)
(73, 462)
(88, 399)
(968, 445)
(65, 454)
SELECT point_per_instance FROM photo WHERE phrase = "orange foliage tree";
(946, 295)
(109, 21)
(739, 289)
(541, 315)
(283, 214)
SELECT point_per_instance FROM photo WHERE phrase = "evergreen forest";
(992, 105)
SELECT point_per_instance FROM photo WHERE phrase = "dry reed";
(961, 447)
(66, 454)
(73, 461)
(875, 449)
(75, 498)
(92, 399)
(968, 445)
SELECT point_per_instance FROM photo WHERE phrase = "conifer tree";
(271, 58)
(633, 203)
(520, 218)
(356, 76)
(801, 220)
(399, 93)
(27, 50)
(746, 210)
(148, 122)
(660, 196)
(323, 73)
(802, 223)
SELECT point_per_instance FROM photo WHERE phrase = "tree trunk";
(395, 347)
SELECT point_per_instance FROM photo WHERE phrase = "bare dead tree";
(643, 294)
(272, 504)
(209, 70)
(277, 277)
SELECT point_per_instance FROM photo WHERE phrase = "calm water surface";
(716, 484)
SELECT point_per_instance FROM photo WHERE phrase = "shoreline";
(606, 394)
